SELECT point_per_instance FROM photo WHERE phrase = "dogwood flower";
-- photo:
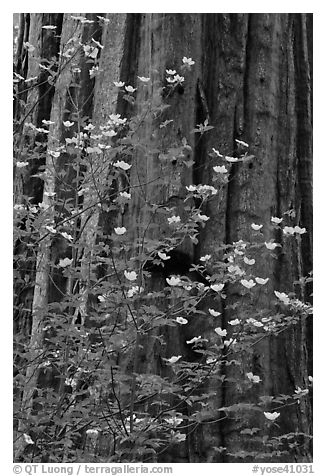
(221, 332)
(30, 79)
(174, 359)
(116, 119)
(220, 169)
(89, 127)
(210, 360)
(71, 381)
(256, 227)
(266, 319)
(231, 159)
(191, 188)
(20, 165)
(299, 230)
(130, 89)
(238, 252)
(143, 79)
(47, 123)
(178, 78)
(301, 392)
(174, 219)
(122, 165)
(250, 320)
(29, 46)
(193, 340)
(235, 269)
(125, 195)
(19, 207)
(68, 123)
(28, 439)
(205, 258)
(248, 283)
(234, 322)
(120, 230)
(181, 320)
(282, 297)
(63, 263)
(51, 229)
(54, 153)
(67, 54)
(177, 436)
(261, 281)
(94, 71)
(163, 256)
(227, 343)
(206, 189)
(276, 220)
(173, 281)
(175, 421)
(240, 244)
(66, 235)
(43, 206)
(130, 275)
(84, 20)
(90, 51)
(270, 245)
(200, 286)
(103, 146)
(188, 61)
(110, 133)
(241, 142)
(248, 261)
(288, 230)
(170, 71)
(19, 77)
(214, 313)
(202, 189)
(81, 192)
(134, 290)
(217, 287)
(92, 433)
(103, 19)
(217, 152)
(253, 378)
(202, 217)
(258, 324)
(118, 84)
(271, 416)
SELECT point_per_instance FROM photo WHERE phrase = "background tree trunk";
(252, 80)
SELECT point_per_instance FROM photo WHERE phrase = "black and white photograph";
(162, 240)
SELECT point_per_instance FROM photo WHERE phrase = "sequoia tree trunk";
(252, 81)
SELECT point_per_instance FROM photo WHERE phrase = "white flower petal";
(256, 227)
(130, 275)
(214, 313)
(248, 283)
(221, 332)
(120, 230)
(271, 416)
(173, 281)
